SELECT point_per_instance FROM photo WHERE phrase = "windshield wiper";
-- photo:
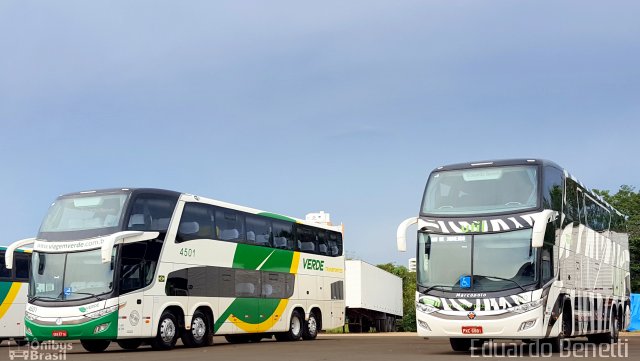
(437, 286)
(502, 279)
(88, 294)
(36, 298)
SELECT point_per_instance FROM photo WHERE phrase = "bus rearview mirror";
(540, 226)
(401, 233)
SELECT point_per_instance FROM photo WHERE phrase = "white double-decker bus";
(148, 266)
(518, 249)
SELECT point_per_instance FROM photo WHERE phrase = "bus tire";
(296, 324)
(200, 333)
(95, 345)
(310, 330)
(167, 332)
(460, 344)
(129, 344)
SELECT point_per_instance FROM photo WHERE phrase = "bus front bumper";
(526, 325)
(72, 328)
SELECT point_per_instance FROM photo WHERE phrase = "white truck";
(373, 297)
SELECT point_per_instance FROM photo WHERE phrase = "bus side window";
(197, 222)
(4, 272)
(22, 267)
(305, 240)
(323, 248)
(335, 244)
(229, 225)
(151, 213)
(571, 210)
(547, 262)
(258, 231)
(283, 235)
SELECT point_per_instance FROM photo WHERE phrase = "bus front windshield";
(477, 263)
(69, 276)
(481, 190)
(83, 216)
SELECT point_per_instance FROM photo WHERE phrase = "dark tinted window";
(571, 209)
(258, 230)
(138, 264)
(335, 243)
(323, 247)
(22, 266)
(197, 222)
(306, 240)
(151, 212)
(230, 225)
(597, 216)
(552, 189)
(547, 262)
(283, 235)
(4, 272)
(247, 283)
(581, 208)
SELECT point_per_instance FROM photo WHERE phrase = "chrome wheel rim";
(295, 325)
(198, 328)
(312, 325)
(167, 330)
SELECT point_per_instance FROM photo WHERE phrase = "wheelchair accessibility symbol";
(465, 281)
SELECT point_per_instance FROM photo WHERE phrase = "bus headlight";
(103, 312)
(29, 316)
(527, 306)
(425, 308)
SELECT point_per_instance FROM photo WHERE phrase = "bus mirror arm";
(540, 226)
(123, 237)
(401, 233)
(12, 248)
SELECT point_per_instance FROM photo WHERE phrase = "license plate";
(61, 333)
(471, 330)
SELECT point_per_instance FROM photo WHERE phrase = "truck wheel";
(199, 335)
(310, 331)
(460, 344)
(167, 332)
(95, 345)
(129, 344)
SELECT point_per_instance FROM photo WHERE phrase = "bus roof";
(195, 198)
(524, 161)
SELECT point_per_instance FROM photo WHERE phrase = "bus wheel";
(129, 344)
(460, 344)
(22, 342)
(95, 345)
(295, 328)
(310, 331)
(167, 332)
(200, 333)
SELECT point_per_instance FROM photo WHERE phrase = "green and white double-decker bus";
(149, 266)
(13, 295)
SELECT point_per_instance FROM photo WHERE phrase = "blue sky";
(295, 107)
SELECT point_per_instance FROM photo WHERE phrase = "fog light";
(27, 331)
(424, 325)
(101, 328)
(527, 325)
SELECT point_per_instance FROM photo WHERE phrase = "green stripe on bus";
(4, 290)
(251, 257)
(277, 216)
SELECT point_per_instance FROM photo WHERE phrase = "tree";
(627, 201)
(408, 295)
